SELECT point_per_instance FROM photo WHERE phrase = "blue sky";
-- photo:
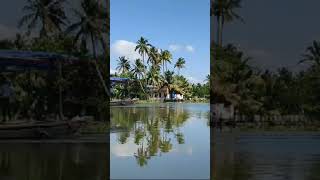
(181, 26)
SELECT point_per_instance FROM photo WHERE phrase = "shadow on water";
(53, 161)
(276, 155)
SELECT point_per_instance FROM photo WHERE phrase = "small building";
(163, 93)
(157, 93)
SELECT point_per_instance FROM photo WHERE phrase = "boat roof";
(119, 79)
(16, 59)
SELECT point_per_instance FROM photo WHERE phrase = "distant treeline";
(252, 91)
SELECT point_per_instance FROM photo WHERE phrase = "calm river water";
(53, 161)
(267, 156)
(163, 141)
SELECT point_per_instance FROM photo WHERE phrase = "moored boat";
(36, 130)
(122, 102)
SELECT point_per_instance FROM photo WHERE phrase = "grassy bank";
(95, 127)
(195, 100)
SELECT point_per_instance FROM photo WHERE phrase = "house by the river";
(164, 93)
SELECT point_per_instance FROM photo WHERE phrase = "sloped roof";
(119, 79)
(30, 59)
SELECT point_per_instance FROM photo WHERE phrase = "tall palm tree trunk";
(97, 67)
(143, 58)
(60, 93)
(212, 58)
(220, 28)
(139, 79)
(212, 118)
(162, 67)
(166, 66)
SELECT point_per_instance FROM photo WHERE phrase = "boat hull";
(41, 130)
(122, 103)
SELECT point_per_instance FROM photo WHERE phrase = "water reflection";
(153, 128)
(53, 161)
(148, 132)
(267, 155)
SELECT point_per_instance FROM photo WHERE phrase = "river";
(266, 155)
(161, 141)
(53, 161)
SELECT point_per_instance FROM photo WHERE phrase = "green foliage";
(150, 75)
(254, 92)
(82, 91)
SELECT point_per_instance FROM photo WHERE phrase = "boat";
(173, 100)
(26, 61)
(42, 130)
(122, 102)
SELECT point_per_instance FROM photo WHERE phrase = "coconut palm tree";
(224, 10)
(153, 56)
(153, 76)
(48, 13)
(312, 54)
(123, 65)
(166, 57)
(180, 64)
(168, 77)
(212, 58)
(91, 26)
(142, 47)
(138, 69)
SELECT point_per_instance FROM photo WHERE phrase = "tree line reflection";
(54, 161)
(155, 130)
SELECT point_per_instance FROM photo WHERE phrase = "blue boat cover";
(119, 79)
(29, 59)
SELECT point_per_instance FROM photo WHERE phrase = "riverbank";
(95, 127)
(185, 101)
(267, 128)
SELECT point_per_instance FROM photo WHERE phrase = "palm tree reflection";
(152, 129)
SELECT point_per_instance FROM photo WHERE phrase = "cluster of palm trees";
(252, 91)
(78, 28)
(224, 11)
(88, 27)
(221, 11)
(89, 23)
(256, 92)
(148, 70)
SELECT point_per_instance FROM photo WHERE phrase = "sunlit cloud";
(189, 48)
(124, 150)
(178, 47)
(125, 48)
(174, 47)
(194, 80)
(113, 71)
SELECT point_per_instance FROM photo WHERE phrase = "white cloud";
(183, 149)
(174, 47)
(125, 48)
(112, 71)
(7, 32)
(189, 48)
(194, 80)
(124, 150)
(178, 47)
